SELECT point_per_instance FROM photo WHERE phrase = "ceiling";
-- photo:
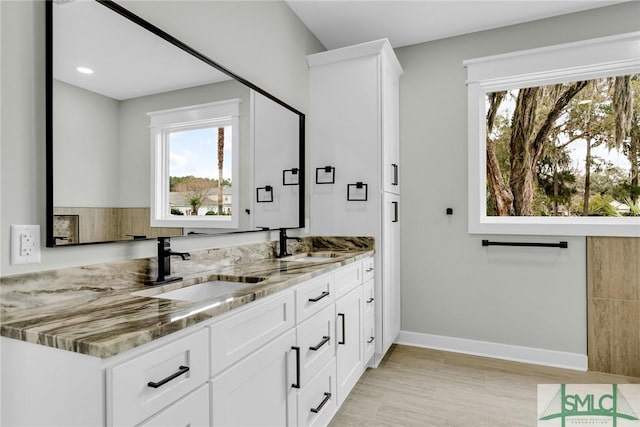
(128, 61)
(339, 23)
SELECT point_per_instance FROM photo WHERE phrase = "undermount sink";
(210, 290)
(311, 257)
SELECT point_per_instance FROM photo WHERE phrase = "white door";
(350, 348)
(390, 131)
(391, 300)
(263, 378)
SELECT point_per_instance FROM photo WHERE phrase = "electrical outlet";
(25, 244)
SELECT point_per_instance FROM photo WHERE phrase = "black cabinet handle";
(395, 174)
(344, 340)
(370, 300)
(370, 340)
(368, 270)
(181, 370)
(395, 211)
(318, 298)
(327, 397)
(320, 344)
(297, 384)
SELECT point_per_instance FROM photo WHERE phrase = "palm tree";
(220, 163)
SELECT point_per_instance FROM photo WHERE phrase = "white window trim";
(589, 59)
(191, 117)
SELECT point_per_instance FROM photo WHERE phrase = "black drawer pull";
(320, 344)
(327, 397)
(370, 340)
(344, 339)
(181, 370)
(370, 300)
(368, 270)
(322, 295)
(297, 384)
(395, 212)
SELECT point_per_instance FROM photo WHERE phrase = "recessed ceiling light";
(84, 70)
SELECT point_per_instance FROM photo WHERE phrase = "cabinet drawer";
(368, 269)
(347, 278)
(143, 386)
(239, 335)
(369, 300)
(317, 400)
(314, 296)
(317, 343)
(192, 411)
(369, 339)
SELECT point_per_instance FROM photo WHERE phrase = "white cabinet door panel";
(391, 270)
(349, 353)
(258, 390)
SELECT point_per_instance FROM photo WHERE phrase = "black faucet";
(282, 247)
(164, 261)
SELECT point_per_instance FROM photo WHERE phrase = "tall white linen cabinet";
(354, 163)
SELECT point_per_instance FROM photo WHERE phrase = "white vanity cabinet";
(354, 139)
(289, 359)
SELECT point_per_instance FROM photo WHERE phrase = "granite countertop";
(112, 319)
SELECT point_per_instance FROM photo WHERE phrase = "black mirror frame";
(50, 240)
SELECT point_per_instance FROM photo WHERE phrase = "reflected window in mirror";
(195, 166)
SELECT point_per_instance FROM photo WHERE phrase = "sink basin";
(207, 291)
(216, 289)
(310, 257)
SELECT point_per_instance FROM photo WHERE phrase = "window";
(554, 140)
(195, 166)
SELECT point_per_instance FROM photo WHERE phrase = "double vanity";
(245, 337)
(251, 341)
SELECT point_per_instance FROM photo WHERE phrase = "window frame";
(584, 60)
(162, 123)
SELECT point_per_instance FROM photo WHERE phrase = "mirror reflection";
(109, 77)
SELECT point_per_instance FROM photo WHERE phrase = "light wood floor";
(421, 387)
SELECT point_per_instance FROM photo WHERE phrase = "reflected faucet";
(282, 246)
(164, 261)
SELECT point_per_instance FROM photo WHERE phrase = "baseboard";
(536, 356)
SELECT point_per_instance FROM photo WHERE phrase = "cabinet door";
(192, 411)
(344, 125)
(390, 131)
(390, 270)
(350, 352)
(257, 391)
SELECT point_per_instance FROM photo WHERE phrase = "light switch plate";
(25, 244)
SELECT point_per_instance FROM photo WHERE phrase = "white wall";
(87, 146)
(451, 286)
(262, 41)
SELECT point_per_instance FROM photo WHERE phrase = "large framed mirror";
(148, 137)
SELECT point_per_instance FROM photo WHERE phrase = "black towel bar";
(562, 244)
